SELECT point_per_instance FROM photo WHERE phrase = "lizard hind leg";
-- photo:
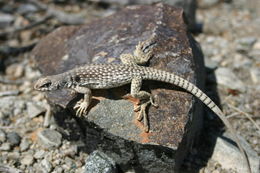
(145, 100)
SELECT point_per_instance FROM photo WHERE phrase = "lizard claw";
(138, 108)
(81, 107)
(153, 102)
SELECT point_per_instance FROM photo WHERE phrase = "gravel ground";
(231, 44)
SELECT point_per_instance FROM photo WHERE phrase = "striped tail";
(171, 78)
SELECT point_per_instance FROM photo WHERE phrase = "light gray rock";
(5, 147)
(9, 93)
(46, 165)
(27, 159)
(49, 138)
(15, 70)
(26, 8)
(2, 135)
(72, 151)
(255, 75)
(99, 162)
(245, 43)
(39, 154)
(34, 109)
(207, 3)
(233, 159)
(13, 138)
(58, 170)
(12, 105)
(5, 20)
(69, 163)
(24, 145)
(210, 64)
(227, 78)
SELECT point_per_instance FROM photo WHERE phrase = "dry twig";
(246, 114)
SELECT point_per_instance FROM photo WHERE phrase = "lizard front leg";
(145, 99)
(83, 104)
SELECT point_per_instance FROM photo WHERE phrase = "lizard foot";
(151, 101)
(143, 115)
(81, 107)
(143, 51)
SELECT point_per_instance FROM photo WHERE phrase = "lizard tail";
(171, 78)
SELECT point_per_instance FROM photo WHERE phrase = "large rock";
(110, 125)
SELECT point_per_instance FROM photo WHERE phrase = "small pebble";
(227, 78)
(15, 70)
(245, 43)
(39, 154)
(34, 110)
(46, 165)
(72, 151)
(207, 3)
(5, 20)
(26, 8)
(2, 136)
(100, 162)
(15, 155)
(5, 147)
(58, 170)
(27, 160)
(24, 145)
(13, 138)
(49, 138)
(255, 75)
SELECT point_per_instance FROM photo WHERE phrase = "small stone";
(24, 145)
(5, 20)
(39, 154)
(34, 110)
(26, 8)
(27, 160)
(210, 63)
(2, 136)
(46, 165)
(58, 170)
(5, 147)
(256, 45)
(100, 162)
(13, 138)
(15, 70)
(255, 75)
(207, 3)
(233, 159)
(227, 78)
(15, 155)
(49, 138)
(245, 43)
(69, 163)
(72, 151)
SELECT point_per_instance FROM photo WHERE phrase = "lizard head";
(47, 84)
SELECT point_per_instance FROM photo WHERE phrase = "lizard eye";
(46, 85)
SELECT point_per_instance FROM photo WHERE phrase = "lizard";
(105, 76)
